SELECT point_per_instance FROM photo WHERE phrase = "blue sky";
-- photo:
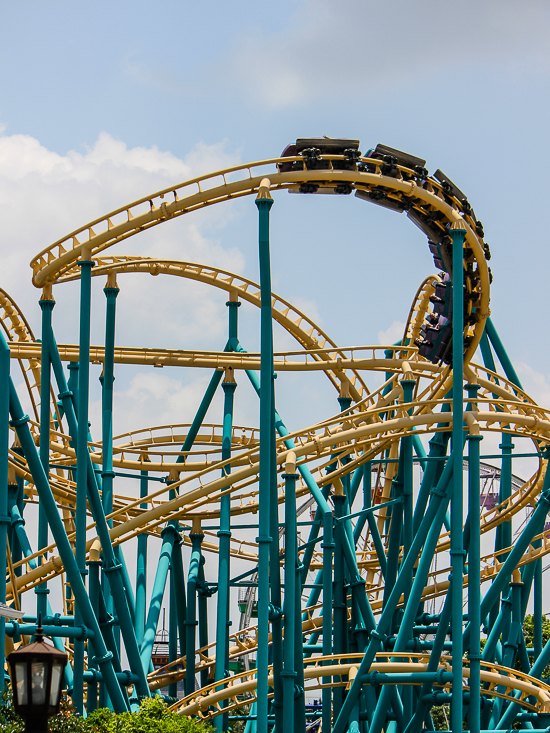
(104, 102)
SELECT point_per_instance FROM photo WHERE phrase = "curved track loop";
(426, 196)
(375, 427)
(498, 681)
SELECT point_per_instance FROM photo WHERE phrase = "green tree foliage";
(153, 716)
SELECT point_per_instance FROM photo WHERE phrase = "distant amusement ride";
(380, 564)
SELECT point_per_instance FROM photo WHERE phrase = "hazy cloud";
(362, 46)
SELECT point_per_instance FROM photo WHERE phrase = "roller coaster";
(377, 561)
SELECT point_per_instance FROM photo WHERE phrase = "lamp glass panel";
(57, 671)
(21, 692)
(38, 682)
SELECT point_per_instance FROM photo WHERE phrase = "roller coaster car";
(312, 148)
(381, 152)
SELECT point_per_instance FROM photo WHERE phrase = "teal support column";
(4, 517)
(327, 546)
(504, 530)
(169, 536)
(474, 571)
(85, 264)
(501, 353)
(191, 622)
(458, 233)
(107, 382)
(204, 594)
(426, 537)
(111, 291)
(289, 609)
(178, 577)
(264, 202)
(141, 565)
(102, 656)
(339, 600)
(224, 555)
(537, 610)
(94, 567)
(173, 630)
(46, 306)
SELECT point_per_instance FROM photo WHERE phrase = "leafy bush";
(153, 716)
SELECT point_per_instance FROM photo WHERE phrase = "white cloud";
(45, 195)
(362, 46)
(392, 334)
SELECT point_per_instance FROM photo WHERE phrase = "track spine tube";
(64, 547)
(457, 233)
(266, 440)
(46, 306)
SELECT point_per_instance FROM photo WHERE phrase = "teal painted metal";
(81, 461)
(20, 421)
(224, 533)
(141, 567)
(191, 622)
(361, 554)
(457, 522)
(46, 307)
(169, 536)
(267, 446)
(474, 574)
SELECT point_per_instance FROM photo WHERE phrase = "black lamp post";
(37, 678)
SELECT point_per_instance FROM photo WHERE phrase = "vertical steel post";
(191, 622)
(107, 379)
(94, 566)
(47, 304)
(141, 564)
(291, 559)
(264, 202)
(458, 233)
(173, 626)
(474, 570)
(85, 264)
(224, 555)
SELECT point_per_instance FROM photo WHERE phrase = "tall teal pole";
(264, 202)
(474, 571)
(107, 382)
(191, 622)
(141, 564)
(224, 534)
(85, 264)
(458, 233)
(47, 304)
(291, 559)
